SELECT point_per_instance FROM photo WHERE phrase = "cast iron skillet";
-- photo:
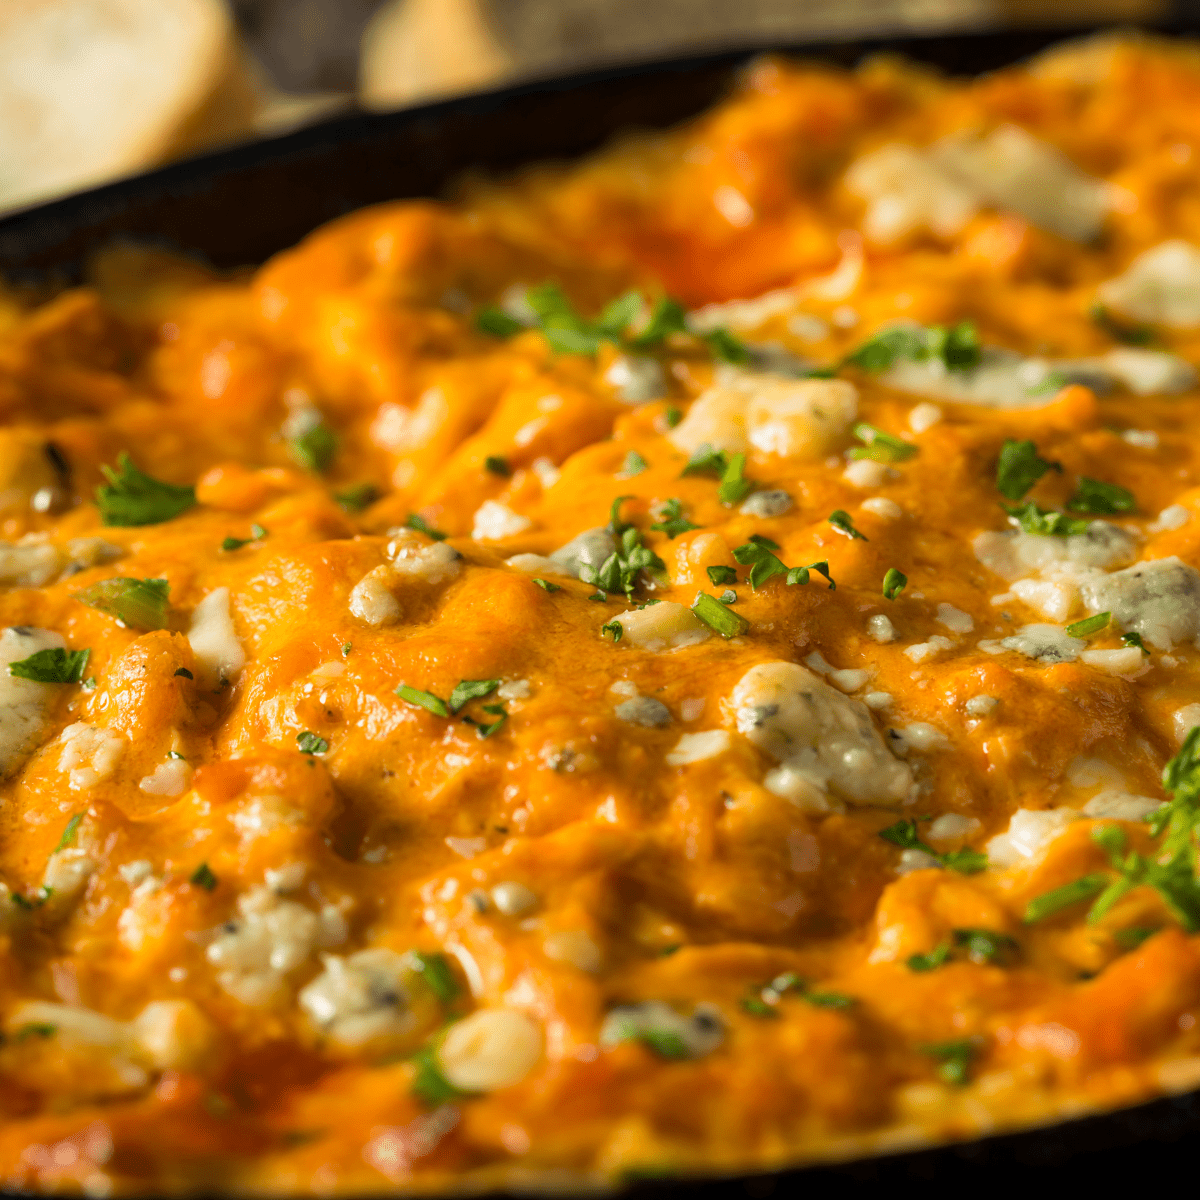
(241, 205)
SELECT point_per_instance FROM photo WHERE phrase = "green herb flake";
(133, 498)
(1135, 639)
(671, 520)
(721, 575)
(314, 448)
(1019, 468)
(137, 603)
(546, 585)
(1054, 901)
(418, 522)
(497, 323)
(55, 665)
(485, 729)
(955, 1059)
(184, 673)
(1120, 331)
(717, 617)
(427, 700)
(1089, 625)
(1044, 522)
(346, 649)
(904, 834)
(957, 347)
(310, 743)
(985, 945)
(726, 348)
(666, 1043)
(706, 461)
(358, 498)
(879, 446)
(666, 317)
(672, 417)
(38, 1029)
(429, 1085)
(929, 962)
(68, 834)
(757, 1007)
(1133, 937)
(203, 877)
(728, 596)
(1094, 496)
(735, 487)
(841, 521)
(436, 975)
(835, 1000)
(634, 464)
(467, 690)
(494, 464)
(615, 629)
(894, 582)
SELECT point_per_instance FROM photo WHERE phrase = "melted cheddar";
(662, 664)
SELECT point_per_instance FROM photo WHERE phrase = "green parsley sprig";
(130, 497)
(137, 603)
(758, 554)
(904, 834)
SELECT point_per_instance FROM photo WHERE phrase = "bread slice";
(94, 89)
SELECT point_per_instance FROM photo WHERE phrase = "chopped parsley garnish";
(735, 487)
(666, 317)
(1133, 937)
(904, 834)
(1135, 639)
(634, 464)
(957, 347)
(314, 448)
(429, 1085)
(311, 743)
(346, 649)
(257, 533)
(38, 1029)
(467, 690)
(1019, 468)
(487, 728)
(672, 417)
(1093, 496)
(706, 461)
(728, 596)
(985, 945)
(1055, 900)
(546, 585)
(763, 1000)
(496, 465)
(133, 498)
(68, 834)
(671, 520)
(358, 497)
(894, 582)
(1120, 331)
(931, 961)
(497, 322)
(726, 347)
(717, 617)
(879, 446)
(619, 571)
(615, 628)
(841, 521)
(427, 700)
(52, 666)
(955, 1059)
(203, 877)
(1089, 625)
(1045, 522)
(721, 575)
(758, 551)
(436, 974)
(138, 603)
(418, 522)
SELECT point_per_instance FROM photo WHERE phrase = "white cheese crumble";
(643, 710)
(587, 549)
(924, 416)
(413, 559)
(878, 701)
(1144, 439)
(362, 998)
(865, 473)
(881, 506)
(214, 640)
(981, 706)
(28, 564)
(1120, 806)
(696, 747)
(89, 754)
(1185, 720)
(952, 827)
(576, 948)
(1029, 832)
(1175, 516)
(920, 651)
(491, 1049)
(170, 778)
(371, 600)
(25, 706)
(514, 899)
(1044, 643)
(663, 626)
(766, 504)
(636, 378)
(919, 736)
(849, 680)
(494, 521)
(880, 628)
(1158, 599)
(823, 739)
(1127, 661)
(1161, 286)
(954, 619)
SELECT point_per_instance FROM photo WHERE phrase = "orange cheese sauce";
(203, 835)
